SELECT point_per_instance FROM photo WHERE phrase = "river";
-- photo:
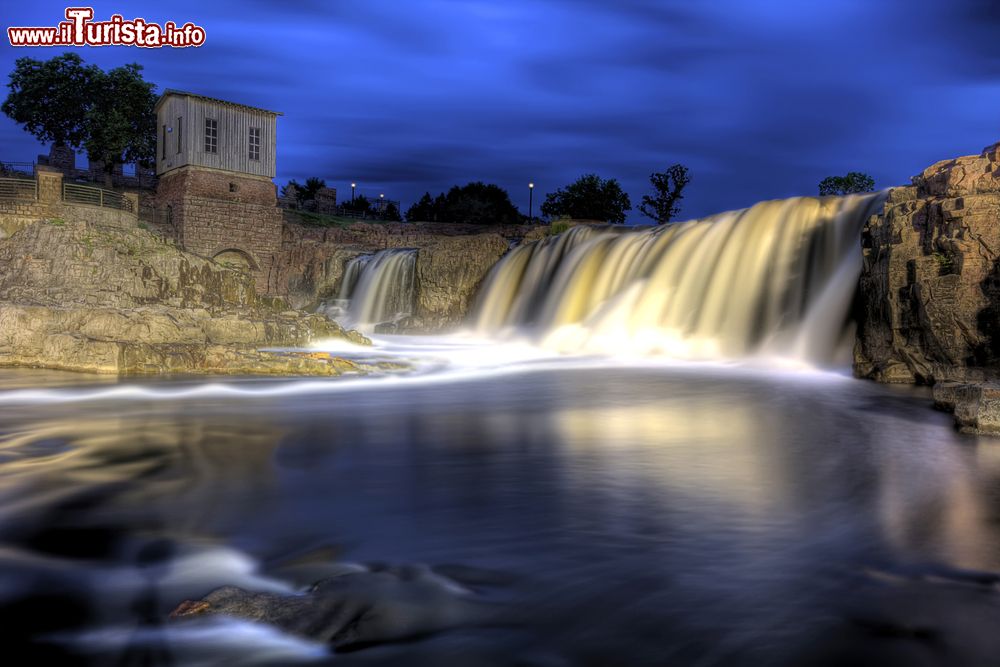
(626, 511)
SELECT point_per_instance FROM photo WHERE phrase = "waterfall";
(776, 278)
(377, 289)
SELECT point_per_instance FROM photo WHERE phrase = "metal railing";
(18, 188)
(18, 169)
(91, 196)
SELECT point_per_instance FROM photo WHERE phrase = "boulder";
(359, 607)
(930, 283)
(976, 405)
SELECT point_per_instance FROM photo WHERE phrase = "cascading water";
(775, 278)
(377, 289)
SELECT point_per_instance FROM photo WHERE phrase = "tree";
(391, 213)
(291, 189)
(590, 197)
(313, 185)
(121, 121)
(110, 114)
(853, 182)
(424, 210)
(668, 187)
(477, 203)
(51, 98)
(303, 193)
(360, 205)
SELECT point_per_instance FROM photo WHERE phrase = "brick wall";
(215, 211)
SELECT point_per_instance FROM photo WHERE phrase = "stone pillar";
(50, 181)
(134, 198)
(62, 158)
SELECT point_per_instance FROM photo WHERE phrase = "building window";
(164, 142)
(211, 135)
(254, 143)
(180, 133)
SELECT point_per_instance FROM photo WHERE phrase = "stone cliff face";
(449, 273)
(930, 284)
(452, 261)
(80, 296)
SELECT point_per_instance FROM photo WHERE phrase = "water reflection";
(645, 515)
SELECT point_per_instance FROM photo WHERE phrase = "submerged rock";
(83, 297)
(976, 405)
(358, 607)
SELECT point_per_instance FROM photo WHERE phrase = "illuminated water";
(775, 278)
(642, 512)
(376, 289)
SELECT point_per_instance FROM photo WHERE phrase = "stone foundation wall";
(215, 213)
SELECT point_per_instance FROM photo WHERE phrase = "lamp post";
(531, 194)
(353, 185)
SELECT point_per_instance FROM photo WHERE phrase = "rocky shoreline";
(85, 297)
(930, 288)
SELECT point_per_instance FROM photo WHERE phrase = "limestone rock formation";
(976, 405)
(449, 273)
(452, 261)
(930, 283)
(80, 296)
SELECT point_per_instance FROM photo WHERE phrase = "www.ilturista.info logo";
(79, 29)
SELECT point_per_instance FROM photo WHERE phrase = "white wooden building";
(195, 130)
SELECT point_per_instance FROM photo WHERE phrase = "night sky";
(760, 98)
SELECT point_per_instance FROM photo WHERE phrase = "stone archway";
(236, 259)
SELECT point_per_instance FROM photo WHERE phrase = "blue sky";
(760, 98)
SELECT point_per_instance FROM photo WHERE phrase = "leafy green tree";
(480, 203)
(68, 103)
(360, 205)
(423, 211)
(476, 203)
(304, 192)
(668, 188)
(51, 98)
(391, 213)
(853, 182)
(590, 197)
(121, 121)
(312, 185)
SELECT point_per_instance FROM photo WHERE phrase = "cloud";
(761, 99)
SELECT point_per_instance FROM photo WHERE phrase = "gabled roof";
(181, 93)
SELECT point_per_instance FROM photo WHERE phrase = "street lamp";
(531, 194)
(353, 185)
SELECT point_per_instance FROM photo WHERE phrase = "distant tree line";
(589, 197)
(475, 203)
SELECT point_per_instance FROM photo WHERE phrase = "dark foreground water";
(617, 515)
